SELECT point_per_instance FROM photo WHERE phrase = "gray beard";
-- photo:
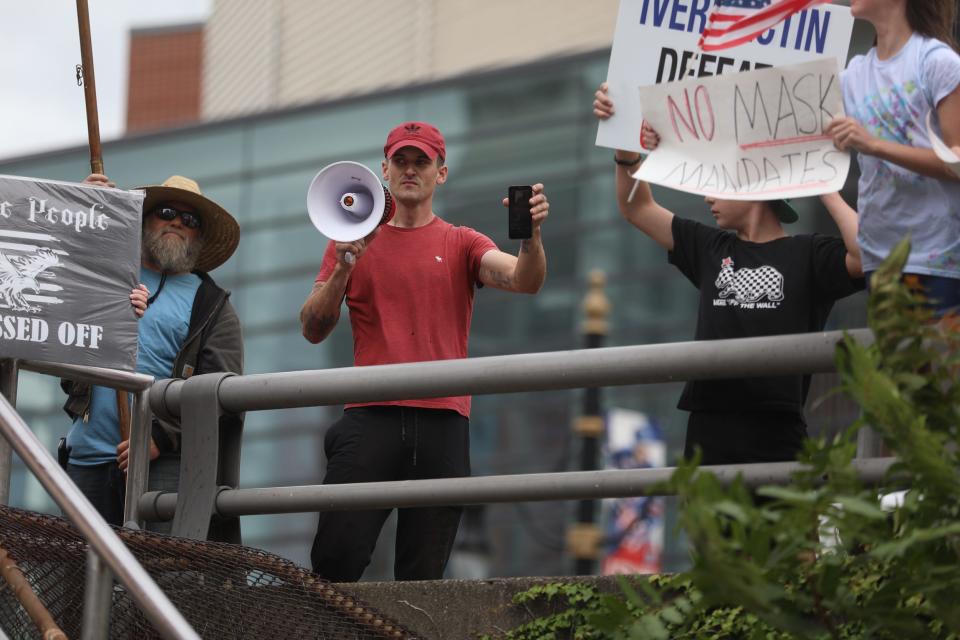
(172, 255)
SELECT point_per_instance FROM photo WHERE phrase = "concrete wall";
(267, 54)
(462, 609)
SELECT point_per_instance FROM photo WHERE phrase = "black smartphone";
(519, 220)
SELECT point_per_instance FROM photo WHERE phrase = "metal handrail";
(715, 359)
(126, 380)
(532, 487)
(612, 366)
(145, 592)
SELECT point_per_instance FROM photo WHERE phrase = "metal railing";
(136, 383)
(200, 399)
(528, 487)
(106, 548)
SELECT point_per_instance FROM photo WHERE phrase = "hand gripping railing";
(715, 359)
(105, 544)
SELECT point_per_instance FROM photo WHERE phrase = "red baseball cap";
(421, 135)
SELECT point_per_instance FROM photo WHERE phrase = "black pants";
(104, 486)
(745, 437)
(381, 443)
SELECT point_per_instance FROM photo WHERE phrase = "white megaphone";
(346, 201)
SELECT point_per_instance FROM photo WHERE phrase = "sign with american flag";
(69, 256)
(736, 22)
(658, 41)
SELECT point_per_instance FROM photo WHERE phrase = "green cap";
(784, 210)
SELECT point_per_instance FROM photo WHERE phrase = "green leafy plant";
(576, 602)
(821, 557)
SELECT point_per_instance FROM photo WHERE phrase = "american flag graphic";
(735, 22)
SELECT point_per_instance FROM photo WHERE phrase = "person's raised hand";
(602, 104)
(848, 134)
(649, 138)
(138, 299)
(99, 180)
(539, 205)
(349, 252)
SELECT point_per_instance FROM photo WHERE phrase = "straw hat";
(220, 231)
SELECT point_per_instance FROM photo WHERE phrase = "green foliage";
(578, 603)
(761, 567)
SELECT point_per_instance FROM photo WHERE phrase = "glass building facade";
(512, 126)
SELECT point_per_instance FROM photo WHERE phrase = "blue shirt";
(161, 333)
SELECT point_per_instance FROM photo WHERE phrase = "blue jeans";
(104, 485)
(943, 294)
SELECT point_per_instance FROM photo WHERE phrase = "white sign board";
(757, 135)
(656, 41)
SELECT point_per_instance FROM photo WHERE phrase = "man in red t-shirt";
(410, 294)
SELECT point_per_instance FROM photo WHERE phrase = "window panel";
(327, 134)
(297, 246)
(200, 154)
(286, 351)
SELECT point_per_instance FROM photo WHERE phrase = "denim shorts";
(943, 294)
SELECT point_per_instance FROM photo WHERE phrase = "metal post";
(97, 598)
(583, 538)
(8, 387)
(869, 443)
(138, 471)
(199, 456)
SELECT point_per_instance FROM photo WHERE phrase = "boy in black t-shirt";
(754, 280)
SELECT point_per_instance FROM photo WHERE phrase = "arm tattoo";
(321, 324)
(499, 279)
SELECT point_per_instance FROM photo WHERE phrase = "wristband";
(627, 163)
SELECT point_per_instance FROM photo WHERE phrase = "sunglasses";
(189, 218)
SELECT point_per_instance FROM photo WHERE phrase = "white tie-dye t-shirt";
(891, 99)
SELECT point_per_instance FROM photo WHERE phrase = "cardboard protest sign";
(656, 41)
(940, 148)
(756, 135)
(69, 256)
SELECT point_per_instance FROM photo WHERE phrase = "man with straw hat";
(189, 327)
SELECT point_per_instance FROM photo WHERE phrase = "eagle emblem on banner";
(20, 273)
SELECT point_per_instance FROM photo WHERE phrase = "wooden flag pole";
(89, 87)
(96, 157)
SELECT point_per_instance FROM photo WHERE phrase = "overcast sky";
(41, 106)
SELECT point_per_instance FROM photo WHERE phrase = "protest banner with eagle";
(69, 256)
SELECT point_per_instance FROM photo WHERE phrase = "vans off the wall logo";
(69, 256)
(760, 288)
